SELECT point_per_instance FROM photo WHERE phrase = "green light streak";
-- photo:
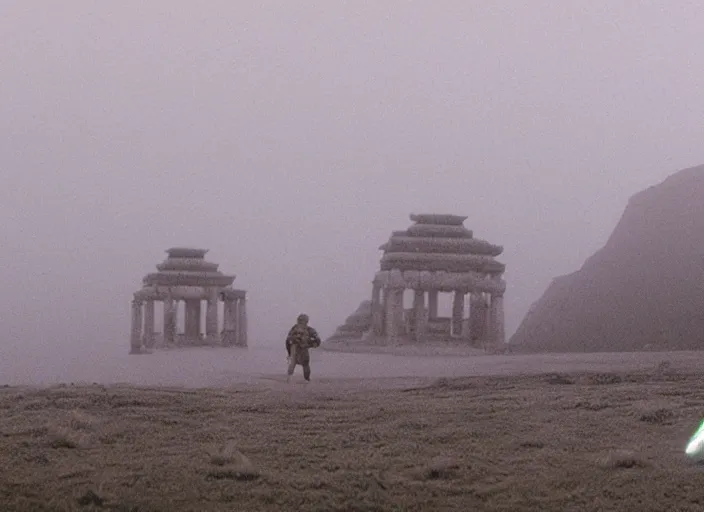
(696, 442)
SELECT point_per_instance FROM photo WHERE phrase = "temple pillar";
(432, 304)
(377, 311)
(192, 326)
(235, 321)
(498, 328)
(136, 333)
(477, 315)
(390, 327)
(149, 323)
(242, 322)
(385, 309)
(229, 336)
(457, 314)
(398, 312)
(419, 315)
(170, 317)
(211, 317)
(488, 321)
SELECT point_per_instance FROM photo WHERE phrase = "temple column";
(136, 334)
(149, 323)
(211, 317)
(432, 304)
(457, 314)
(192, 326)
(377, 311)
(498, 328)
(390, 329)
(488, 321)
(477, 314)
(418, 315)
(242, 322)
(384, 310)
(398, 312)
(170, 317)
(229, 336)
(235, 321)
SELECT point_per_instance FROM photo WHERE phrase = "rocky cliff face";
(643, 290)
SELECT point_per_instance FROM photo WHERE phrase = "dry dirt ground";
(444, 348)
(553, 442)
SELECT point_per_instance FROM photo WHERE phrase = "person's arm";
(315, 337)
(288, 341)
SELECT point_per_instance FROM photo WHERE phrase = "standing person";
(300, 338)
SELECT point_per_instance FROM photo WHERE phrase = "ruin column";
(242, 322)
(136, 334)
(433, 304)
(192, 326)
(398, 312)
(384, 309)
(377, 311)
(457, 314)
(228, 327)
(418, 315)
(211, 317)
(498, 329)
(489, 321)
(390, 326)
(149, 323)
(170, 313)
(235, 321)
(477, 314)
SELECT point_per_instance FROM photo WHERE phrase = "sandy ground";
(568, 441)
(405, 349)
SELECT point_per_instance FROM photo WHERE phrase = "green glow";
(696, 442)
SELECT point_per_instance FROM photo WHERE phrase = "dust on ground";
(550, 442)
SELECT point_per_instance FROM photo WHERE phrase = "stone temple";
(185, 277)
(435, 255)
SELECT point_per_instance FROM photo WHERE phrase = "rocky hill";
(644, 290)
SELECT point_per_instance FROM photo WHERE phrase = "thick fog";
(290, 138)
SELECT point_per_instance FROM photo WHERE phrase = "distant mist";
(290, 139)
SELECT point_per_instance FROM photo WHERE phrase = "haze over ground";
(290, 138)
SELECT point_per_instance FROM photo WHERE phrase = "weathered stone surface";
(438, 218)
(441, 261)
(183, 278)
(348, 328)
(643, 289)
(192, 264)
(233, 294)
(431, 230)
(186, 252)
(444, 281)
(413, 244)
(356, 325)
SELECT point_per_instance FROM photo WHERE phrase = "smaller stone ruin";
(356, 325)
(183, 284)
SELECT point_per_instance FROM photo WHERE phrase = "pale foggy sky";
(290, 138)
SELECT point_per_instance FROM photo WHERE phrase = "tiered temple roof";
(187, 267)
(440, 243)
(438, 253)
